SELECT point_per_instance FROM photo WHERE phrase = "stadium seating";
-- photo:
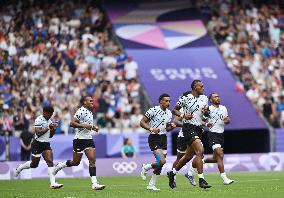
(251, 39)
(52, 57)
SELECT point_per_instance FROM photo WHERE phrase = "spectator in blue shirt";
(128, 150)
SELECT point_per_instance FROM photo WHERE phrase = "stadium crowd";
(251, 39)
(53, 53)
(56, 55)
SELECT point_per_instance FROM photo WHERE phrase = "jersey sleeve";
(150, 113)
(170, 117)
(78, 114)
(38, 122)
(206, 101)
(225, 112)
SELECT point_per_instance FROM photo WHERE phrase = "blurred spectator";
(251, 38)
(25, 142)
(20, 122)
(125, 121)
(6, 121)
(57, 119)
(268, 111)
(128, 150)
(280, 110)
(50, 57)
(135, 118)
(66, 119)
(131, 68)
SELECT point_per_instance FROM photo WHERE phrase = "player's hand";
(53, 126)
(209, 124)
(95, 128)
(188, 116)
(88, 126)
(155, 130)
(226, 120)
(171, 125)
(205, 110)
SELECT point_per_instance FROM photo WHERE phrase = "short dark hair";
(48, 109)
(163, 96)
(210, 96)
(83, 99)
(193, 84)
(125, 140)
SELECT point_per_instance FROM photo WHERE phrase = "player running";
(83, 141)
(195, 106)
(44, 129)
(157, 120)
(181, 149)
(218, 117)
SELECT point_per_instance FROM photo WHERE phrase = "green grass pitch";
(247, 185)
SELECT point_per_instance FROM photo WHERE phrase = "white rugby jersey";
(216, 117)
(41, 122)
(158, 118)
(85, 116)
(194, 105)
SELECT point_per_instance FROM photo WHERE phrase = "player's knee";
(49, 163)
(162, 162)
(199, 153)
(157, 171)
(75, 163)
(220, 155)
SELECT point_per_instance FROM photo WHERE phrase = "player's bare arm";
(178, 121)
(170, 126)
(209, 124)
(226, 120)
(206, 111)
(52, 128)
(75, 123)
(40, 131)
(144, 124)
(95, 128)
(176, 112)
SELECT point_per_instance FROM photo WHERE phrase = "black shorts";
(79, 145)
(38, 147)
(191, 133)
(157, 141)
(181, 145)
(215, 138)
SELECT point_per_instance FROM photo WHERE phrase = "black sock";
(92, 171)
(68, 163)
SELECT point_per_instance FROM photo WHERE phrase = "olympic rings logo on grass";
(124, 167)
